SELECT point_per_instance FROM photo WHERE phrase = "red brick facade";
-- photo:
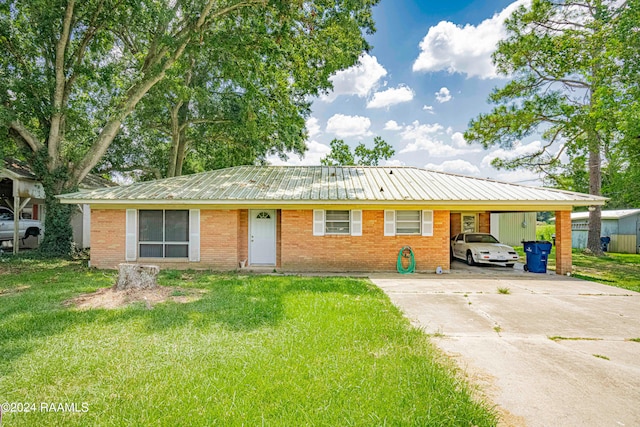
(563, 242)
(224, 236)
(224, 243)
(373, 251)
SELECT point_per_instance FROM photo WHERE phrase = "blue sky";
(428, 74)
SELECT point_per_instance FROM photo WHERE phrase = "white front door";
(262, 237)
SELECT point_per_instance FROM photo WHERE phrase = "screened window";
(163, 234)
(337, 222)
(408, 222)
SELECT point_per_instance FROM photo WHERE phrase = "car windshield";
(481, 238)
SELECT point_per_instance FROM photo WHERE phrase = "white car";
(26, 227)
(482, 248)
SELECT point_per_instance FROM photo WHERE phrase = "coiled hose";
(412, 260)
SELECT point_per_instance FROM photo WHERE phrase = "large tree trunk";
(58, 233)
(595, 183)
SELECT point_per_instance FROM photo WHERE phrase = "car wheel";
(470, 258)
(510, 265)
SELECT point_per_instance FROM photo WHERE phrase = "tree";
(72, 73)
(341, 154)
(566, 82)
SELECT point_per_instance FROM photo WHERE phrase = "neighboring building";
(622, 226)
(513, 228)
(19, 187)
(316, 218)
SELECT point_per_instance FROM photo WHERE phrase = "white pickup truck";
(26, 227)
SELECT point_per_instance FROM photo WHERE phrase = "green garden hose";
(412, 262)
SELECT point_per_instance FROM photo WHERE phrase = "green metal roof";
(327, 184)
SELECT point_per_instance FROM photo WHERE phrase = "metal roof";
(613, 214)
(17, 169)
(330, 184)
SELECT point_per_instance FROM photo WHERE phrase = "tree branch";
(27, 137)
(60, 83)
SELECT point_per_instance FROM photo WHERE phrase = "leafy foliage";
(341, 154)
(568, 85)
(233, 75)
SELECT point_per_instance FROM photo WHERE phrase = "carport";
(477, 220)
(19, 190)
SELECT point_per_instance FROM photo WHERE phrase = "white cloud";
(316, 151)
(458, 139)
(520, 176)
(393, 162)
(428, 108)
(455, 166)
(313, 126)
(426, 137)
(359, 79)
(467, 49)
(345, 126)
(443, 95)
(429, 137)
(390, 97)
(392, 125)
(518, 150)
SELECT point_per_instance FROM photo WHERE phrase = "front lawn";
(254, 350)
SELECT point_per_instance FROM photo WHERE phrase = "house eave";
(522, 205)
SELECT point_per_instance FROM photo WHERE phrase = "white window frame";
(417, 221)
(327, 221)
(320, 222)
(426, 223)
(132, 236)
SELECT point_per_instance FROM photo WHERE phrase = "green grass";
(254, 350)
(620, 270)
(504, 291)
(545, 232)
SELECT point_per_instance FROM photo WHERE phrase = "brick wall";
(484, 222)
(220, 247)
(456, 224)
(243, 235)
(563, 242)
(302, 251)
(218, 240)
(107, 237)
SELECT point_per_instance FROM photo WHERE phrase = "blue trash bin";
(537, 255)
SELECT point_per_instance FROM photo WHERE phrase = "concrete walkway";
(554, 351)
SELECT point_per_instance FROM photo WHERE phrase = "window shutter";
(194, 235)
(427, 223)
(356, 223)
(389, 223)
(131, 231)
(318, 222)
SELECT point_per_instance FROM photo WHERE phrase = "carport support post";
(563, 242)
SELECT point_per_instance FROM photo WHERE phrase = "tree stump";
(137, 276)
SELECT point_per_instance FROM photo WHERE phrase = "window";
(469, 223)
(408, 222)
(337, 222)
(412, 222)
(163, 233)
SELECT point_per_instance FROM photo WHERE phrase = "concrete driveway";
(554, 351)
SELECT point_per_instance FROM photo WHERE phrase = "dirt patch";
(109, 298)
(13, 290)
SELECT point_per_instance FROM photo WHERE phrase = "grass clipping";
(110, 298)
